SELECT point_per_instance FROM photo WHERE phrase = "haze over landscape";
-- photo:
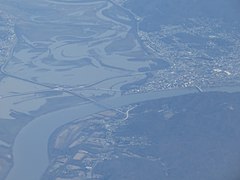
(119, 89)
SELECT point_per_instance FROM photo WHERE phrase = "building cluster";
(199, 53)
(7, 36)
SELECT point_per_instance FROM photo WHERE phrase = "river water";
(73, 44)
(63, 45)
(30, 148)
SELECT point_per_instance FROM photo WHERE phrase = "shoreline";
(41, 129)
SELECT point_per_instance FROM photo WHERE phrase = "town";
(199, 53)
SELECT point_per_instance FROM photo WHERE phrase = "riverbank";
(31, 145)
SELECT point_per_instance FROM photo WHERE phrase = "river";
(73, 44)
(30, 148)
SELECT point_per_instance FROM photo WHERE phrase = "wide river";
(72, 44)
(30, 148)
